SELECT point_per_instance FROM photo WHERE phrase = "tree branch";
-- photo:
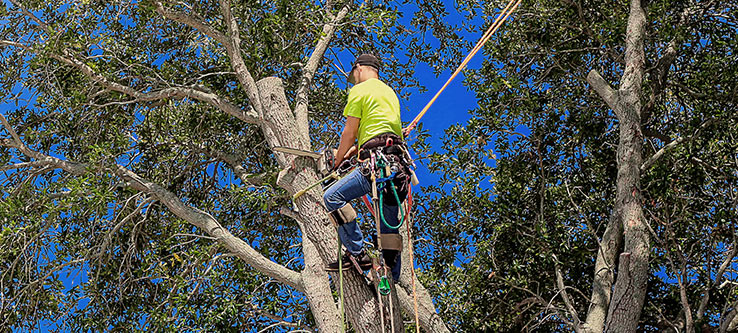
(174, 92)
(32, 164)
(192, 215)
(730, 321)
(46, 276)
(718, 279)
(567, 301)
(233, 163)
(591, 34)
(673, 145)
(602, 88)
(12, 43)
(231, 42)
(193, 22)
(207, 222)
(28, 13)
(656, 134)
(178, 92)
(43, 160)
(665, 62)
(308, 72)
(689, 91)
(233, 47)
(279, 321)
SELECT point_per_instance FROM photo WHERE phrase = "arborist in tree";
(373, 117)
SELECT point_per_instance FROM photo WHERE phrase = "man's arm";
(347, 138)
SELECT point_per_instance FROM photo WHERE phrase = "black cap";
(364, 60)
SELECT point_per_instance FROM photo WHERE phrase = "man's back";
(378, 107)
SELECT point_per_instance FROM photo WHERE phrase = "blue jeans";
(350, 187)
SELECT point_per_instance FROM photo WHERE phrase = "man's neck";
(369, 78)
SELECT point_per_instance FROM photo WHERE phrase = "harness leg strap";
(342, 215)
(392, 247)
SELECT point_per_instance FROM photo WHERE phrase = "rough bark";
(318, 289)
(604, 274)
(427, 316)
(630, 286)
(627, 220)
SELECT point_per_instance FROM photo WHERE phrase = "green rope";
(380, 166)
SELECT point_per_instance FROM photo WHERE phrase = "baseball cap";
(364, 60)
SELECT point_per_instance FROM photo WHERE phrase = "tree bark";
(629, 291)
(627, 220)
(604, 274)
(427, 316)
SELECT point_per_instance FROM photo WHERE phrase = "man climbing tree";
(373, 116)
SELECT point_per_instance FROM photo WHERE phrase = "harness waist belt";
(381, 141)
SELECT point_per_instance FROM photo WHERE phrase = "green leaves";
(552, 178)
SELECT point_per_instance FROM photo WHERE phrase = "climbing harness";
(504, 14)
(386, 164)
(382, 183)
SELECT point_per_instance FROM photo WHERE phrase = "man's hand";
(337, 161)
(352, 151)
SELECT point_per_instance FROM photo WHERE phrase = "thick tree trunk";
(361, 306)
(278, 128)
(630, 288)
(627, 221)
(629, 291)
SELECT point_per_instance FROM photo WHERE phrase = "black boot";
(362, 259)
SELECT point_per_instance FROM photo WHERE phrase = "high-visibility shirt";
(378, 107)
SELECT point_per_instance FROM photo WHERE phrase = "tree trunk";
(604, 274)
(361, 306)
(427, 316)
(627, 220)
(629, 291)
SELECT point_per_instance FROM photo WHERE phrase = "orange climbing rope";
(504, 14)
(501, 17)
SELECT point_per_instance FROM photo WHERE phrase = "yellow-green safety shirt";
(378, 107)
